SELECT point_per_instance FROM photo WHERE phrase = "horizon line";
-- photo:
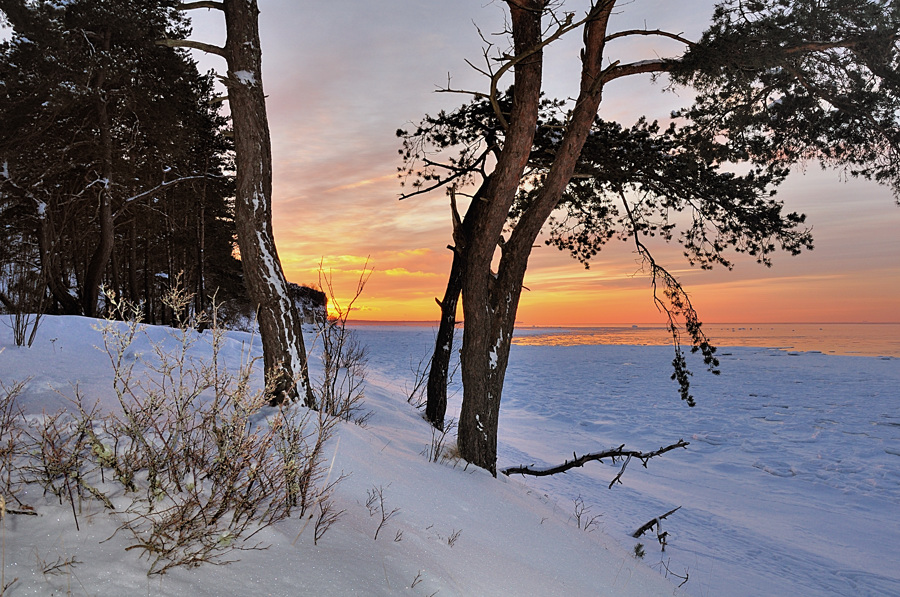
(619, 324)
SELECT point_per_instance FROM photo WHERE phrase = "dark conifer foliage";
(777, 83)
(115, 161)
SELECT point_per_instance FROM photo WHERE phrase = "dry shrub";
(193, 458)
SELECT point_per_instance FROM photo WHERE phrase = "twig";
(650, 524)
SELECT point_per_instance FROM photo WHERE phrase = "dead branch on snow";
(614, 454)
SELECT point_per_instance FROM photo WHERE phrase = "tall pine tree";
(115, 162)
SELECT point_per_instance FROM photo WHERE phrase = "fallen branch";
(21, 513)
(652, 523)
(578, 461)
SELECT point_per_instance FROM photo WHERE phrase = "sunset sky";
(342, 76)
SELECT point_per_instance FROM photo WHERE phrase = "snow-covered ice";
(790, 485)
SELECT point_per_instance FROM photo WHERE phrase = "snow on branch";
(658, 65)
(159, 187)
(614, 454)
(657, 32)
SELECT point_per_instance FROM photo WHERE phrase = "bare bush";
(416, 394)
(59, 448)
(328, 515)
(24, 293)
(440, 450)
(208, 461)
(10, 437)
(376, 506)
(583, 517)
(341, 389)
(193, 457)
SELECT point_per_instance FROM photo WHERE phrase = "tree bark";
(100, 257)
(438, 371)
(53, 270)
(487, 328)
(578, 461)
(652, 523)
(284, 353)
(490, 301)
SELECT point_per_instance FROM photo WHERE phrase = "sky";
(343, 76)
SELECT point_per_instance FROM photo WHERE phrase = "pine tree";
(778, 81)
(116, 165)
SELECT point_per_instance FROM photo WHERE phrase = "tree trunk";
(284, 353)
(490, 301)
(100, 257)
(133, 264)
(438, 371)
(49, 251)
(488, 325)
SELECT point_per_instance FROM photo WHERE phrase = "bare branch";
(475, 94)
(578, 461)
(564, 26)
(821, 46)
(201, 4)
(457, 173)
(658, 32)
(196, 45)
(647, 526)
(618, 71)
(159, 187)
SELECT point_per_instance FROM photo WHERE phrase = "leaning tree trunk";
(51, 266)
(490, 301)
(438, 371)
(284, 353)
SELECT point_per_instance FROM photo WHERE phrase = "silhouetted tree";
(778, 82)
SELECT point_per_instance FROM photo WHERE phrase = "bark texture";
(438, 371)
(100, 257)
(490, 300)
(488, 303)
(284, 353)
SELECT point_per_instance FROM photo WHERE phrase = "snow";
(790, 484)
(246, 77)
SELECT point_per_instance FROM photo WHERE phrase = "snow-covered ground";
(790, 485)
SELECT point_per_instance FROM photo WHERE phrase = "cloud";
(402, 271)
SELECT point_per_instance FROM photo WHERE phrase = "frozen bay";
(790, 485)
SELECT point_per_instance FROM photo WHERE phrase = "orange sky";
(341, 80)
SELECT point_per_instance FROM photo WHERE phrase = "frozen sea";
(790, 484)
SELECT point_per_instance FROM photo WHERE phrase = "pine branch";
(196, 45)
(659, 32)
(578, 461)
(201, 4)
